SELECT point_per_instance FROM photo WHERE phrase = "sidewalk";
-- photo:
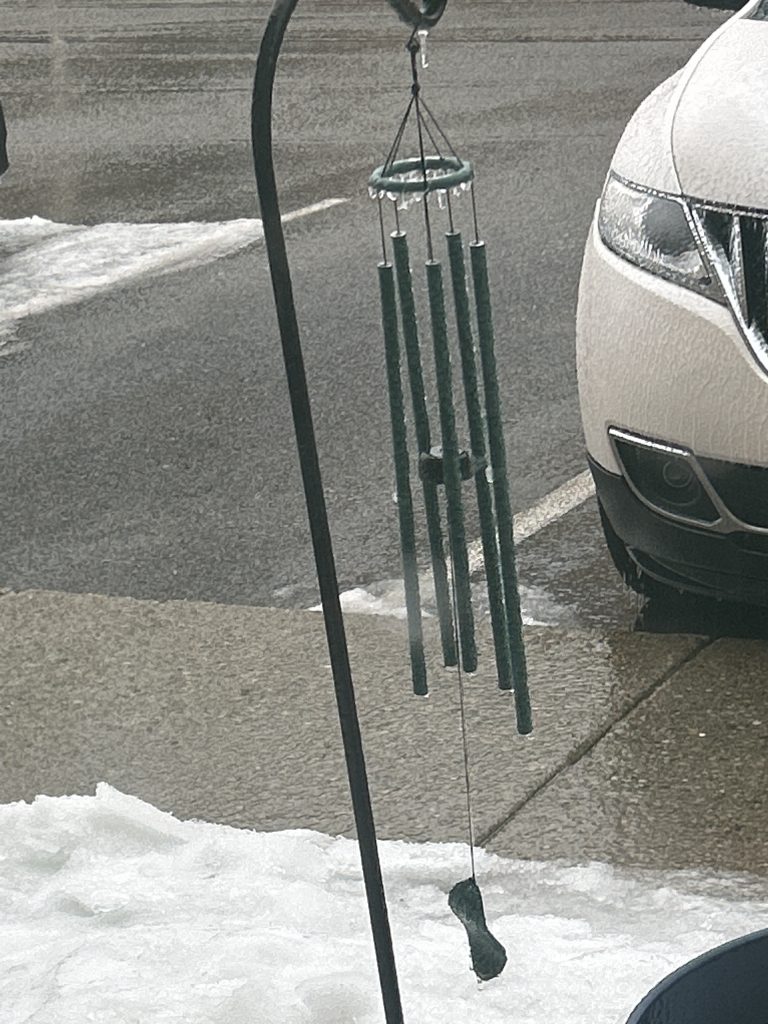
(647, 750)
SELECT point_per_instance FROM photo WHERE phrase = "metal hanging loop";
(424, 15)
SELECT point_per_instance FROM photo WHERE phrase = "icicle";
(422, 34)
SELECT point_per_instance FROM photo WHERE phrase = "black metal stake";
(261, 137)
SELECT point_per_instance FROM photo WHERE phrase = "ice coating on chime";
(405, 200)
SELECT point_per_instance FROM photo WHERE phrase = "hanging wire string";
(422, 157)
(444, 137)
(431, 137)
(383, 239)
(463, 717)
(392, 155)
(413, 48)
(474, 211)
(423, 128)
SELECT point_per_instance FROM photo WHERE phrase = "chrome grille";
(735, 243)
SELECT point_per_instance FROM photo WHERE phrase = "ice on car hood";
(644, 154)
(719, 130)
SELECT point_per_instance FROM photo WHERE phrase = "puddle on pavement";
(568, 581)
(703, 617)
(569, 576)
(568, 562)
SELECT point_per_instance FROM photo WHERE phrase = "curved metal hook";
(420, 15)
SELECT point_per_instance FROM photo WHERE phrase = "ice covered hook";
(422, 34)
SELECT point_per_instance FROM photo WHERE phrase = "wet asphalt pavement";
(148, 448)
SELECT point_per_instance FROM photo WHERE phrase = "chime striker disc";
(399, 176)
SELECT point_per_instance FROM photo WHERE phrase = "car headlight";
(653, 232)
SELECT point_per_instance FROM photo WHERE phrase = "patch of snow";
(387, 597)
(46, 265)
(115, 912)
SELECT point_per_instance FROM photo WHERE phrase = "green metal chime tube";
(500, 487)
(451, 468)
(402, 478)
(423, 440)
(477, 440)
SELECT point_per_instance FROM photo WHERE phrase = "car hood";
(704, 131)
(718, 129)
(644, 153)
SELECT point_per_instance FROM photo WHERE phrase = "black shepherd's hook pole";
(261, 137)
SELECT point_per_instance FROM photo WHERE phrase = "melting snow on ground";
(387, 597)
(115, 912)
(46, 264)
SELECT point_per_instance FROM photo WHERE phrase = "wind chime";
(432, 179)
(435, 181)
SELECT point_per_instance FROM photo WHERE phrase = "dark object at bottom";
(3, 137)
(431, 465)
(488, 955)
(727, 985)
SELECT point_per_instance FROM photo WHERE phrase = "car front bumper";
(670, 368)
(731, 566)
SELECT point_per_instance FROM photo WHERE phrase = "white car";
(672, 327)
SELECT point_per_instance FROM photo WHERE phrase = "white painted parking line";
(552, 507)
(305, 211)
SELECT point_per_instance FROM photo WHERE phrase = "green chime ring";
(392, 178)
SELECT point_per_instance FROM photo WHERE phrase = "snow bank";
(113, 911)
(46, 264)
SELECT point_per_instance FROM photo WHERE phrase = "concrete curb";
(227, 713)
